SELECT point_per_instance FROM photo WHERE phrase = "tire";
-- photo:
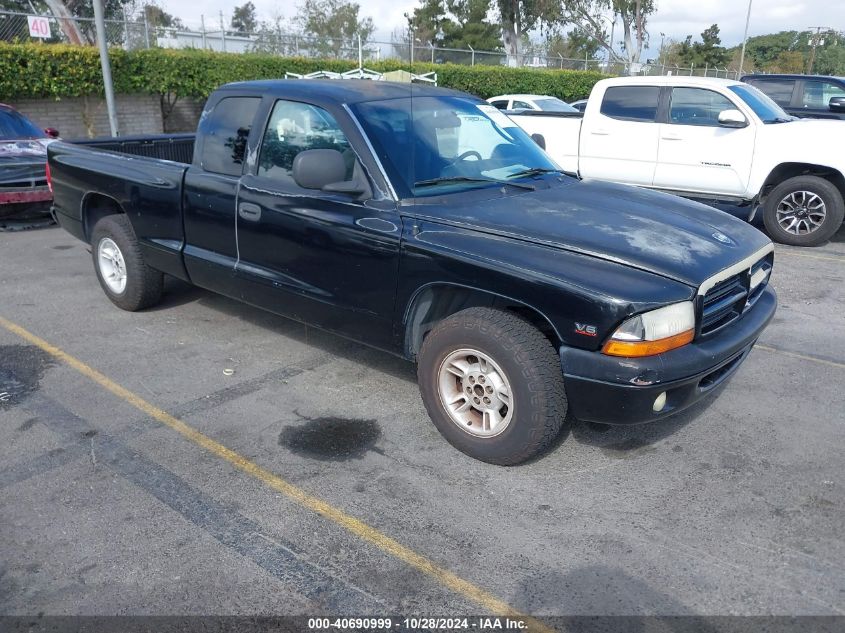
(804, 194)
(114, 250)
(507, 350)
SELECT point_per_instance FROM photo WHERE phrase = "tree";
(335, 25)
(519, 17)
(707, 52)
(830, 60)
(243, 18)
(764, 50)
(590, 15)
(156, 17)
(576, 44)
(455, 24)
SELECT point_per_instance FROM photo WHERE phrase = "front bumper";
(617, 390)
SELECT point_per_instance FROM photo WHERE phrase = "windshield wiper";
(442, 181)
(533, 171)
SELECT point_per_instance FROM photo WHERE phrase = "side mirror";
(325, 169)
(51, 132)
(837, 104)
(732, 118)
(539, 139)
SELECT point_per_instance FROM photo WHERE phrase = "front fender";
(566, 288)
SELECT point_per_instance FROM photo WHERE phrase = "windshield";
(552, 104)
(437, 145)
(14, 125)
(763, 106)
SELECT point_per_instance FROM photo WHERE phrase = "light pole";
(662, 54)
(744, 40)
(105, 64)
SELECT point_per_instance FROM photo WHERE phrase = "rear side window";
(631, 103)
(501, 105)
(778, 90)
(224, 131)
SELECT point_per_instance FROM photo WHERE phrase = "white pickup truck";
(709, 139)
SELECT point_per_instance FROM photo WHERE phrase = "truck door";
(329, 258)
(210, 191)
(619, 136)
(696, 152)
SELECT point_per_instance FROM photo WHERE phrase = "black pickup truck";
(422, 221)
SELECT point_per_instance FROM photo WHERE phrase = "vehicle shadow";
(616, 440)
(604, 598)
(299, 332)
(622, 441)
(177, 293)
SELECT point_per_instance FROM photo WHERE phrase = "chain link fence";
(135, 32)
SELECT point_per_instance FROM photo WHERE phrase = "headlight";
(653, 332)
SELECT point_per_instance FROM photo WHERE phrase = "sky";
(673, 17)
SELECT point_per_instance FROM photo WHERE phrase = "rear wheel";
(492, 385)
(124, 276)
(803, 211)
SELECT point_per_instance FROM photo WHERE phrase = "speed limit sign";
(39, 26)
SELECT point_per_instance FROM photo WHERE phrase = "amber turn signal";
(647, 348)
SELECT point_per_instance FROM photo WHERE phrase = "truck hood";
(814, 141)
(659, 233)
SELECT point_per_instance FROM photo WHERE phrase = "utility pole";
(816, 40)
(662, 54)
(744, 40)
(99, 22)
(223, 31)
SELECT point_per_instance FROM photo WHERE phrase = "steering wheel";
(466, 155)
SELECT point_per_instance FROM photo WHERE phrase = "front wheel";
(124, 276)
(803, 211)
(492, 384)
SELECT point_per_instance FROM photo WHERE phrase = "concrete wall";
(80, 117)
(87, 117)
(184, 116)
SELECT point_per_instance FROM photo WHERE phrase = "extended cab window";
(225, 131)
(817, 94)
(697, 106)
(631, 103)
(295, 127)
(501, 105)
(778, 90)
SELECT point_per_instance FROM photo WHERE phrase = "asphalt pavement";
(207, 457)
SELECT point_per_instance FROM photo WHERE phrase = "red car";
(24, 192)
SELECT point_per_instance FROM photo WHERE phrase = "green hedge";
(38, 70)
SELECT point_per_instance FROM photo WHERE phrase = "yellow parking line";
(813, 359)
(357, 527)
(781, 251)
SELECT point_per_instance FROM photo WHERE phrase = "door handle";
(671, 137)
(249, 211)
(600, 132)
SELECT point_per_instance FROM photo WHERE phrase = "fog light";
(659, 402)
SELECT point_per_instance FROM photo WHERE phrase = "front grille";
(729, 298)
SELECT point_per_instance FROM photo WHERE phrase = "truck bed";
(561, 132)
(133, 174)
(176, 147)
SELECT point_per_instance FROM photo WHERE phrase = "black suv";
(813, 96)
